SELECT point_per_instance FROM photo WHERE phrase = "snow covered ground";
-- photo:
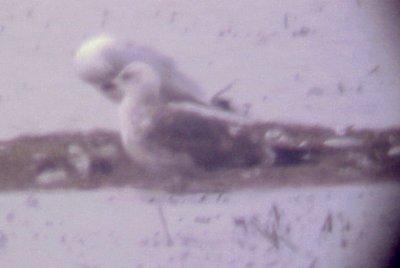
(332, 63)
(349, 226)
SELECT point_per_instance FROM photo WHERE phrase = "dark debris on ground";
(302, 156)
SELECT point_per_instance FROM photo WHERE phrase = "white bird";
(100, 59)
(163, 134)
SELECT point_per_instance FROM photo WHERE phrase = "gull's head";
(93, 61)
(141, 81)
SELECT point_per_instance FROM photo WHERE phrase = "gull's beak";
(112, 91)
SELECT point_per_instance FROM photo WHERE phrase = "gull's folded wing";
(210, 141)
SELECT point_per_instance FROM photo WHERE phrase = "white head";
(140, 81)
(90, 62)
(98, 61)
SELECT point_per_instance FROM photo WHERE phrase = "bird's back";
(211, 142)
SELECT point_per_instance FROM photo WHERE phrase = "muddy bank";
(86, 160)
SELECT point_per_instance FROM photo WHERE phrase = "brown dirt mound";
(305, 155)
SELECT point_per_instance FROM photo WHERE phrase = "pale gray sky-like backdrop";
(318, 62)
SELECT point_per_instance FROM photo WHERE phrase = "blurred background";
(327, 63)
(310, 61)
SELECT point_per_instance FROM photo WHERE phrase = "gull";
(100, 59)
(164, 121)
(162, 134)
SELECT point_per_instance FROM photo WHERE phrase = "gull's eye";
(108, 86)
(132, 77)
(127, 76)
